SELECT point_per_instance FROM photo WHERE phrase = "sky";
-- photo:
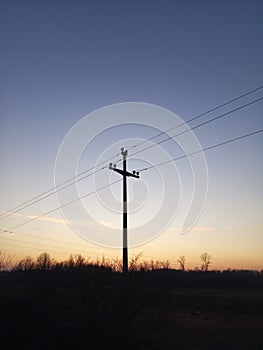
(62, 60)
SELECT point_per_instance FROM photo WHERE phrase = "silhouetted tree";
(206, 261)
(133, 266)
(116, 264)
(80, 261)
(181, 262)
(25, 264)
(44, 261)
(166, 265)
(5, 261)
(76, 261)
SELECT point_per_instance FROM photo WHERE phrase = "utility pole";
(124, 174)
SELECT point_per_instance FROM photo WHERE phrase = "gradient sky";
(61, 60)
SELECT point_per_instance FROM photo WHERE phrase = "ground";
(102, 311)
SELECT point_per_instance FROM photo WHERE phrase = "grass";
(103, 310)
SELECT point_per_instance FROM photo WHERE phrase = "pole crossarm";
(127, 173)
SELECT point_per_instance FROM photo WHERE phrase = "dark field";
(99, 309)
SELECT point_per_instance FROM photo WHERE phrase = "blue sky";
(61, 60)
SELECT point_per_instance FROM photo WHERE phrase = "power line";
(46, 239)
(155, 259)
(80, 245)
(200, 115)
(55, 189)
(199, 125)
(21, 241)
(53, 246)
(62, 206)
(203, 150)
(46, 245)
(50, 194)
(46, 194)
(141, 170)
(19, 208)
(28, 246)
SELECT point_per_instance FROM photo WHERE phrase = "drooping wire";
(55, 189)
(141, 170)
(202, 150)
(62, 206)
(52, 249)
(199, 125)
(44, 238)
(199, 116)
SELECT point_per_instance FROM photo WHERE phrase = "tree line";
(44, 261)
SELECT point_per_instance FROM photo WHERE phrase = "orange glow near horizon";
(192, 245)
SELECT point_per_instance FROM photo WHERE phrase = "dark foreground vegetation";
(90, 306)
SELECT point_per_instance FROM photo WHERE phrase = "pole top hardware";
(124, 152)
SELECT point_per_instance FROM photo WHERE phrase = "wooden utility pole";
(124, 174)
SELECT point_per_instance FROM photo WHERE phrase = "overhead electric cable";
(45, 239)
(141, 170)
(200, 115)
(62, 206)
(199, 125)
(55, 189)
(202, 150)
(50, 194)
